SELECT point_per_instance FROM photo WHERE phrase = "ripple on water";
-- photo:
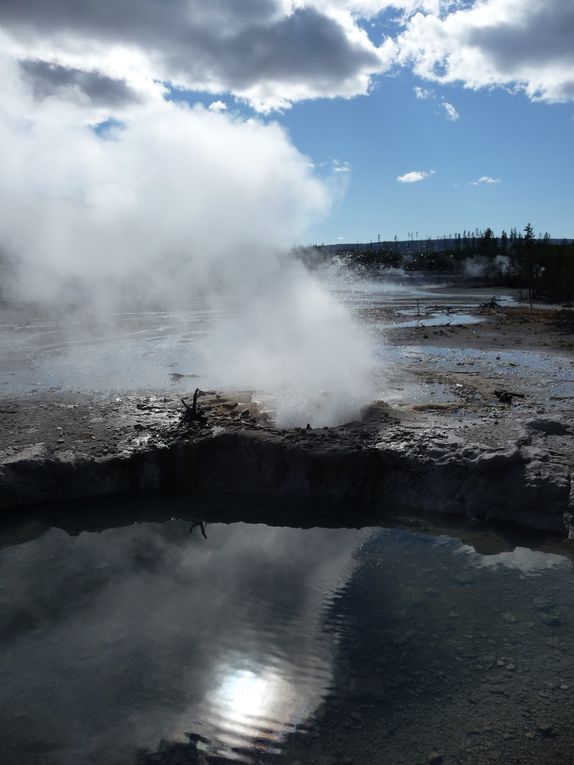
(147, 638)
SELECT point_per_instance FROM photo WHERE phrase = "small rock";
(509, 618)
(435, 758)
(545, 728)
(543, 604)
(547, 425)
(549, 620)
(42, 746)
(464, 579)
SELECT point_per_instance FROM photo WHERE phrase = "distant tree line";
(538, 263)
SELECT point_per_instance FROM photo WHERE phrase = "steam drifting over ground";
(172, 202)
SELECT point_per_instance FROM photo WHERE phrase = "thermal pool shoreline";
(498, 446)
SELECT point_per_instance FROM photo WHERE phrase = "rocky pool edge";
(394, 463)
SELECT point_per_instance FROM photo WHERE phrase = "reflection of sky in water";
(528, 562)
(116, 640)
(147, 633)
(442, 320)
(259, 704)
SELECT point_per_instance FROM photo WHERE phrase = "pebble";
(545, 728)
(435, 758)
(542, 604)
(549, 620)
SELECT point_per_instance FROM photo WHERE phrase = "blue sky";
(514, 129)
(527, 146)
(470, 100)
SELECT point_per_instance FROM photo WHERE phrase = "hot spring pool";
(150, 644)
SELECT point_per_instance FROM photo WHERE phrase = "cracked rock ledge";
(506, 468)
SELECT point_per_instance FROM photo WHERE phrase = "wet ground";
(132, 350)
(180, 643)
(456, 400)
(435, 329)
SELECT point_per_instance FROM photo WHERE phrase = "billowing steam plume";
(174, 201)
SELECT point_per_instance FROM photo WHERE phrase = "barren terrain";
(479, 421)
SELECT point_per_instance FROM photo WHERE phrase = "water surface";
(148, 643)
(140, 350)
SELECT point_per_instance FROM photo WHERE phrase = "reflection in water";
(148, 633)
(257, 704)
(147, 644)
(528, 562)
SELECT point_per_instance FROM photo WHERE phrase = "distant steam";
(480, 266)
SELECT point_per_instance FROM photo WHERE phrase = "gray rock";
(547, 425)
(545, 728)
(543, 604)
(550, 620)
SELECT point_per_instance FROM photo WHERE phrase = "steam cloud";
(179, 200)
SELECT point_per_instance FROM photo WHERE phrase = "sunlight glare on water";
(147, 645)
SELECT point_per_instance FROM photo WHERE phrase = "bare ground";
(507, 420)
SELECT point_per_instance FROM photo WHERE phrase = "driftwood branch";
(201, 525)
(507, 396)
(192, 412)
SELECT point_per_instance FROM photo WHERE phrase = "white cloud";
(423, 93)
(268, 52)
(217, 106)
(415, 176)
(370, 8)
(450, 112)
(486, 180)
(521, 44)
(272, 53)
(339, 166)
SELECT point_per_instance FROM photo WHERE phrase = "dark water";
(151, 644)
